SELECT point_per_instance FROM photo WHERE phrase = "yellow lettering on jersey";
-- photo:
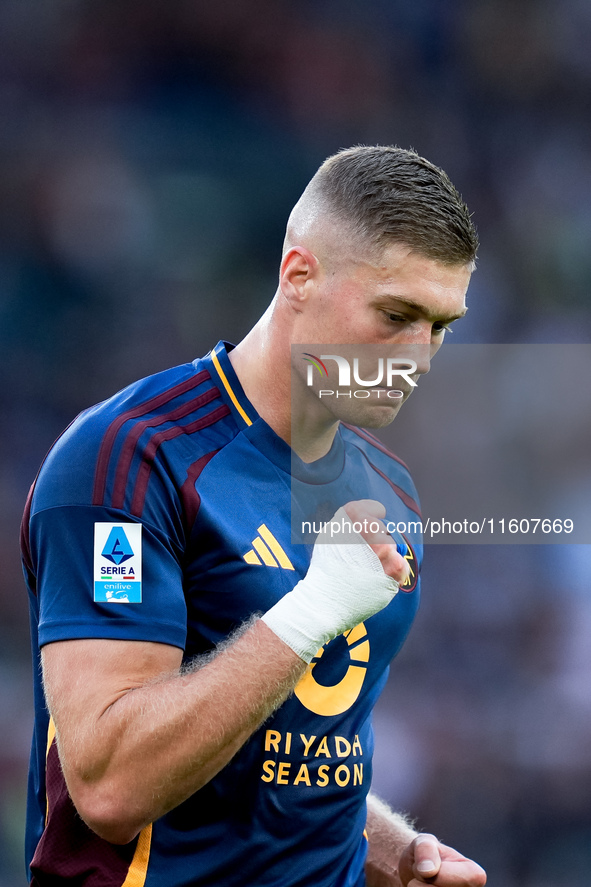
(283, 773)
(323, 772)
(342, 746)
(303, 776)
(323, 748)
(269, 771)
(307, 743)
(342, 775)
(272, 739)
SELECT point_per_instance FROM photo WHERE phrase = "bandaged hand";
(346, 583)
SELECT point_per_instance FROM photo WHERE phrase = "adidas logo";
(267, 550)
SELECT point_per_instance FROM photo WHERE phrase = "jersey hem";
(49, 633)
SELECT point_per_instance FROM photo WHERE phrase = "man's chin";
(374, 416)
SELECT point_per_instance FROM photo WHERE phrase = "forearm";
(157, 744)
(389, 833)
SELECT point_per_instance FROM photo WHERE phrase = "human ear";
(299, 268)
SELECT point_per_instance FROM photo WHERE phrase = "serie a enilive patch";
(118, 563)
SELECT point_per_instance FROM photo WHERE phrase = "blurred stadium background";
(149, 155)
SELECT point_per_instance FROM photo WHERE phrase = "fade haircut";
(387, 194)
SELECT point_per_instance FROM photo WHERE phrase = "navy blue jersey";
(164, 514)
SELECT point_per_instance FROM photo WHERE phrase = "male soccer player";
(180, 738)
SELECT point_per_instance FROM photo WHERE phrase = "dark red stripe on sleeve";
(189, 495)
(69, 852)
(402, 494)
(375, 442)
(145, 469)
(24, 533)
(130, 443)
(104, 457)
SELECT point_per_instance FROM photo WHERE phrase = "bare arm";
(136, 737)
(389, 833)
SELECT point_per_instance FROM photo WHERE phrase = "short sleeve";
(102, 573)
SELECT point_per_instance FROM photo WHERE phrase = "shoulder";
(111, 450)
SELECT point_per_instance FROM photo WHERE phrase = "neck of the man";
(262, 362)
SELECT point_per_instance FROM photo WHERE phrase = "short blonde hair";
(388, 194)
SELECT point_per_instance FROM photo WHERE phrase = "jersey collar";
(229, 385)
(261, 435)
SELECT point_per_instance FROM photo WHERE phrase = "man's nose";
(420, 353)
(424, 353)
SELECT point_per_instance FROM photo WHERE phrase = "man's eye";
(396, 318)
(442, 328)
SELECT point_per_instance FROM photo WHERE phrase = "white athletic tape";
(345, 584)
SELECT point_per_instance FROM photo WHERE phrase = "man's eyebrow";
(420, 309)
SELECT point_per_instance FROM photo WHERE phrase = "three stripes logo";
(267, 550)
